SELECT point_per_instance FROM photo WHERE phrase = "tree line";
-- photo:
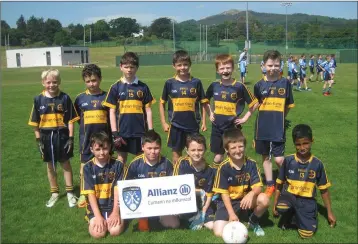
(39, 32)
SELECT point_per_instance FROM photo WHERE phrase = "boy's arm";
(327, 203)
(100, 222)
(204, 110)
(149, 113)
(162, 116)
(70, 129)
(277, 194)
(227, 202)
(113, 119)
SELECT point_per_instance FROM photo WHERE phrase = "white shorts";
(333, 70)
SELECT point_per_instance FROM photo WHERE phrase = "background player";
(94, 117)
(296, 185)
(102, 172)
(52, 118)
(134, 101)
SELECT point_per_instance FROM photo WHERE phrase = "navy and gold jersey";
(102, 182)
(237, 183)
(131, 101)
(229, 101)
(301, 178)
(140, 169)
(53, 113)
(204, 179)
(274, 98)
(94, 117)
(183, 102)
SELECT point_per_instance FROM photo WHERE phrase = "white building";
(47, 56)
(140, 34)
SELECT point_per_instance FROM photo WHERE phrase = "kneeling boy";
(239, 183)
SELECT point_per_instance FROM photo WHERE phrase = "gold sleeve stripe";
(249, 92)
(86, 192)
(323, 187)
(254, 101)
(74, 120)
(30, 122)
(258, 184)
(205, 100)
(278, 181)
(222, 191)
(33, 124)
(162, 101)
(209, 194)
(292, 105)
(109, 105)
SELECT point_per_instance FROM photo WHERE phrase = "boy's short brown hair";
(271, 54)
(197, 137)
(100, 138)
(130, 58)
(233, 135)
(151, 136)
(223, 59)
(181, 56)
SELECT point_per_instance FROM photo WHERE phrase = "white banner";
(157, 196)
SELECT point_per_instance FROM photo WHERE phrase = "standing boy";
(183, 93)
(94, 117)
(99, 184)
(239, 183)
(303, 67)
(243, 65)
(296, 185)
(318, 68)
(52, 118)
(275, 98)
(151, 164)
(327, 76)
(311, 65)
(229, 98)
(133, 100)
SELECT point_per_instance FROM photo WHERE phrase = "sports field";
(25, 189)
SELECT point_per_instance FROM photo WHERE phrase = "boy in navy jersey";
(151, 164)
(130, 100)
(184, 94)
(229, 98)
(194, 163)
(52, 117)
(239, 184)
(94, 116)
(275, 98)
(99, 184)
(296, 186)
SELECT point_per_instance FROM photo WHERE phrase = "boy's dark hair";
(224, 59)
(197, 137)
(333, 55)
(302, 55)
(181, 56)
(100, 138)
(272, 54)
(302, 131)
(91, 69)
(151, 136)
(233, 135)
(311, 55)
(130, 58)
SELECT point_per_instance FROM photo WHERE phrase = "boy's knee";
(171, 222)
(116, 230)
(263, 200)
(279, 161)
(97, 235)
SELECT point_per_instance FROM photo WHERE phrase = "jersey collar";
(44, 93)
(233, 83)
(175, 77)
(89, 93)
(124, 80)
(145, 161)
(233, 165)
(300, 161)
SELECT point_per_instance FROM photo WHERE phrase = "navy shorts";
(243, 74)
(134, 145)
(302, 76)
(289, 73)
(312, 70)
(305, 210)
(177, 138)
(209, 214)
(293, 76)
(54, 142)
(90, 214)
(277, 149)
(221, 211)
(216, 139)
(326, 76)
(318, 70)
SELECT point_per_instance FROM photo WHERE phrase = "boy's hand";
(212, 117)
(203, 127)
(99, 224)
(240, 121)
(165, 127)
(233, 217)
(69, 144)
(118, 140)
(274, 212)
(40, 145)
(332, 220)
(113, 220)
(246, 202)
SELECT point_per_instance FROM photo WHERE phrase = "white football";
(235, 232)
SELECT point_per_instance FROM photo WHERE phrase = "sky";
(146, 12)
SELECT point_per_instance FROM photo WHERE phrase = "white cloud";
(143, 19)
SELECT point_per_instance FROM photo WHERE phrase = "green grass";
(25, 188)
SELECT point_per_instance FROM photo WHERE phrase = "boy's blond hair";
(52, 73)
(233, 135)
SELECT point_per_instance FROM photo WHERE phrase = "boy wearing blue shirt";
(311, 65)
(327, 78)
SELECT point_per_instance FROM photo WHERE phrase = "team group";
(121, 120)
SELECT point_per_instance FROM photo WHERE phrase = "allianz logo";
(183, 190)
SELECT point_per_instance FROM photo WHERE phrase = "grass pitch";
(25, 188)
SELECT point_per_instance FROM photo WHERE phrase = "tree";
(35, 29)
(162, 28)
(63, 38)
(21, 24)
(100, 30)
(51, 27)
(77, 32)
(123, 27)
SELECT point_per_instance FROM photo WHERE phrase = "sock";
(298, 84)
(329, 89)
(54, 190)
(270, 183)
(69, 189)
(253, 219)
